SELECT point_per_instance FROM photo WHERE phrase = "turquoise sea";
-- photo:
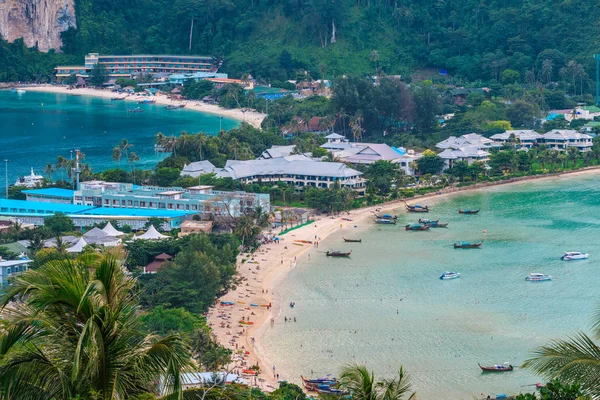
(36, 127)
(386, 305)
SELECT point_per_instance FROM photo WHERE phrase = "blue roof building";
(50, 195)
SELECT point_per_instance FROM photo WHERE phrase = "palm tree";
(60, 166)
(60, 245)
(245, 229)
(117, 154)
(261, 216)
(572, 360)
(547, 70)
(36, 243)
(330, 157)
(573, 154)
(49, 169)
(72, 328)
(362, 385)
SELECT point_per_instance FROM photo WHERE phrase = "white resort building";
(297, 170)
(524, 139)
(470, 148)
(561, 139)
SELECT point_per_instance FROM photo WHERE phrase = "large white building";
(524, 139)
(297, 170)
(561, 139)
(557, 139)
(470, 148)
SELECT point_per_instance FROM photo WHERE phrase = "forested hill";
(474, 39)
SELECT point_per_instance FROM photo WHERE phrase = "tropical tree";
(573, 155)
(362, 385)
(245, 229)
(574, 360)
(261, 216)
(49, 169)
(72, 329)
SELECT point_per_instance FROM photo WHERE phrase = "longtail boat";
(417, 227)
(438, 224)
(496, 368)
(467, 245)
(352, 240)
(417, 208)
(386, 216)
(428, 221)
(467, 211)
(313, 385)
(386, 221)
(338, 254)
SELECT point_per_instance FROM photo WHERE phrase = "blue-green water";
(36, 127)
(386, 305)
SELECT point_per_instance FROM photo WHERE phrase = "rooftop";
(51, 192)
(291, 165)
(137, 212)
(10, 263)
(38, 207)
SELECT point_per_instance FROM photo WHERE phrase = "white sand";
(251, 117)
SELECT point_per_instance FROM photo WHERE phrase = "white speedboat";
(30, 181)
(21, 91)
(449, 275)
(536, 277)
(574, 255)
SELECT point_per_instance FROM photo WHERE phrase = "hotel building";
(132, 65)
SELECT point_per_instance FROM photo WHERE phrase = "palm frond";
(574, 360)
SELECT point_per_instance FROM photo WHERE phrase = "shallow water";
(37, 127)
(386, 305)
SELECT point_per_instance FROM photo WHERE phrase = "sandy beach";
(251, 117)
(272, 262)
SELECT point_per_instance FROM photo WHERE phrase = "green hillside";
(273, 39)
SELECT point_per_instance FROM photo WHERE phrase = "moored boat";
(417, 208)
(30, 181)
(147, 101)
(21, 91)
(386, 221)
(386, 216)
(449, 275)
(174, 107)
(428, 221)
(435, 224)
(496, 368)
(117, 98)
(574, 255)
(135, 110)
(338, 253)
(352, 240)
(416, 227)
(467, 211)
(537, 277)
(467, 245)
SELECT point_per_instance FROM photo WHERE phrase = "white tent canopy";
(151, 234)
(95, 234)
(111, 231)
(77, 247)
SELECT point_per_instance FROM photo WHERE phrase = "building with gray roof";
(523, 138)
(296, 170)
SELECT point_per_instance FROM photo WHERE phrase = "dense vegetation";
(275, 39)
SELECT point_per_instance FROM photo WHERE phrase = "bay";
(37, 127)
(386, 306)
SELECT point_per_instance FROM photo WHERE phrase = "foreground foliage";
(71, 328)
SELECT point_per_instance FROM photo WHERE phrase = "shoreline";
(277, 260)
(251, 117)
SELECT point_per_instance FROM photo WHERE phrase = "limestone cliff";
(38, 22)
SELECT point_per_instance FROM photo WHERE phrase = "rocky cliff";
(38, 22)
